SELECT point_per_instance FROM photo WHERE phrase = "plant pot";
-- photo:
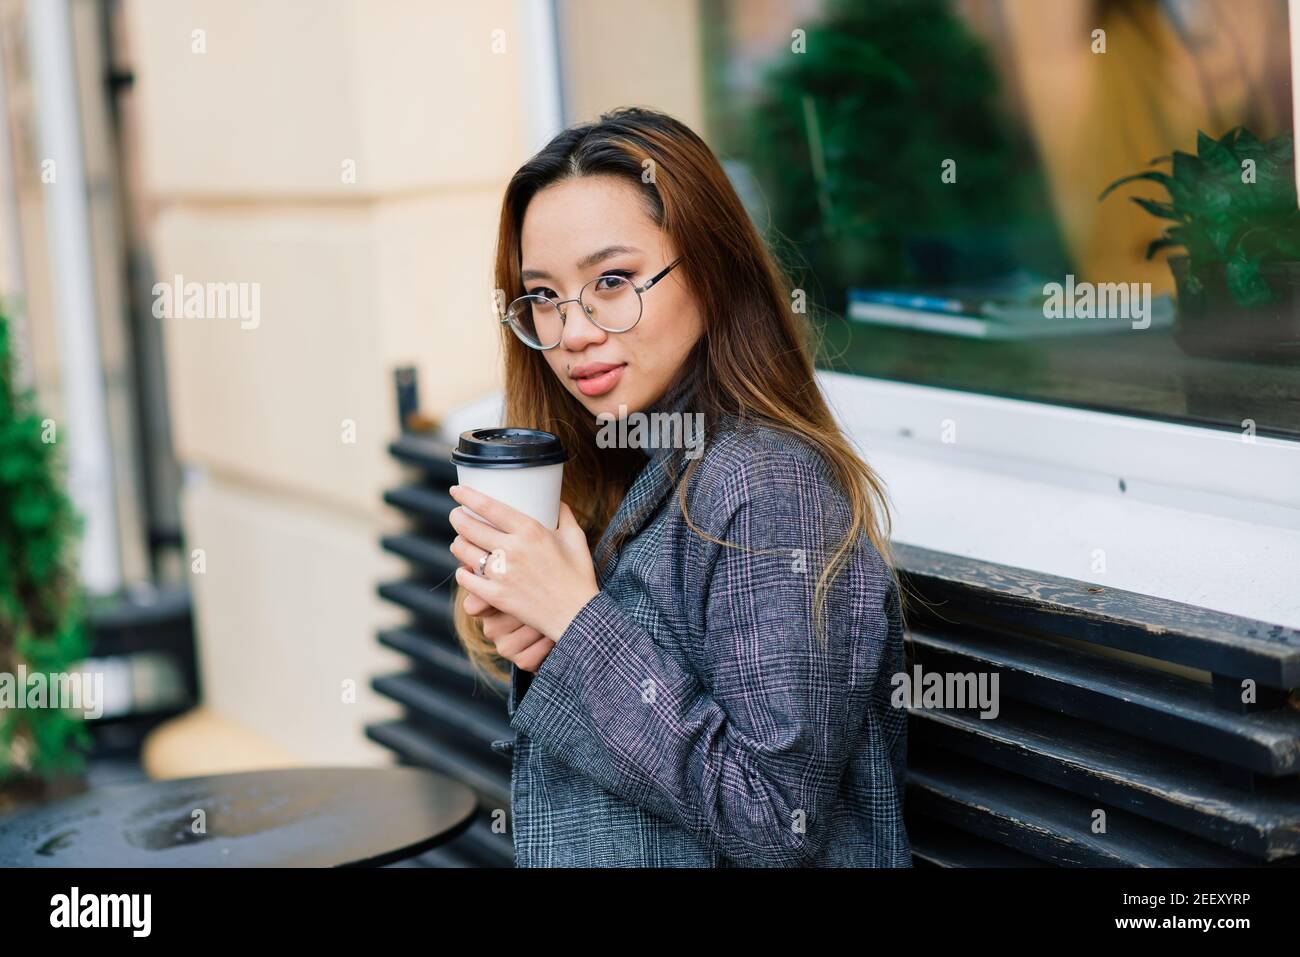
(1210, 324)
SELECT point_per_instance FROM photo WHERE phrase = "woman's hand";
(475, 607)
(539, 578)
(526, 647)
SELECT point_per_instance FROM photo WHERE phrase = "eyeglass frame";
(558, 303)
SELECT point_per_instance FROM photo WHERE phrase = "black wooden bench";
(1121, 737)
(1110, 701)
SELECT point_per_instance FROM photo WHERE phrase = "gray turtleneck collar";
(678, 398)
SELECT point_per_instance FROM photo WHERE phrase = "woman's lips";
(600, 384)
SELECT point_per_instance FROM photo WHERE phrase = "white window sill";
(1204, 518)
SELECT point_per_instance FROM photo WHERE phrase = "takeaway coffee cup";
(521, 467)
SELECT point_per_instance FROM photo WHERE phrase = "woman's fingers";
(500, 514)
(468, 553)
(478, 533)
(531, 659)
(499, 624)
(476, 607)
(485, 588)
(518, 641)
(571, 532)
(524, 645)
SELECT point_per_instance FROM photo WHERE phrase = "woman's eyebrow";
(587, 262)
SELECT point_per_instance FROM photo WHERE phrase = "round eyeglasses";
(612, 303)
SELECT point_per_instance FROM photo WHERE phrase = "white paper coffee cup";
(524, 468)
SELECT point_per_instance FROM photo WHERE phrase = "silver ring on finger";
(481, 563)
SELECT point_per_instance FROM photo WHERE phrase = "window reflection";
(957, 148)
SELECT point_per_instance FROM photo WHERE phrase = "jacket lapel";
(648, 491)
(656, 479)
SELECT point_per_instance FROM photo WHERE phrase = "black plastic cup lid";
(507, 448)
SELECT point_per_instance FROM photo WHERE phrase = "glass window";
(933, 170)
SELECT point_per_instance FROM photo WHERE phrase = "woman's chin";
(612, 404)
(604, 407)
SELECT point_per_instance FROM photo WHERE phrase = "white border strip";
(543, 91)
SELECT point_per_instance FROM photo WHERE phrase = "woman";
(712, 688)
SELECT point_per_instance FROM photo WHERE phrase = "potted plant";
(1233, 211)
(40, 608)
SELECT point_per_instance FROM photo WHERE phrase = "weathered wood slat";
(477, 722)
(959, 589)
(486, 775)
(423, 627)
(431, 455)
(431, 603)
(1142, 701)
(941, 845)
(1048, 823)
(431, 554)
(1120, 771)
(437, 655)
(428, 505)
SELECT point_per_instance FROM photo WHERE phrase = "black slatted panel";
(450, 717)
(1048, 823)
(1092, 759)
(935, 844)
(1157, 705)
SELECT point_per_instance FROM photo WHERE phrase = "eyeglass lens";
(611, 302)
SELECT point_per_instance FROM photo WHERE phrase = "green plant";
(851, 137)
(40, 605)
(1233, 206)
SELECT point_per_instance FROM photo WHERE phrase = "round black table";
(298, 817)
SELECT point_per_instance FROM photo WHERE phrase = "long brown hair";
(754, 360)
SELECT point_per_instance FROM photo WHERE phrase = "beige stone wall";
(244, 151)
(631, 53)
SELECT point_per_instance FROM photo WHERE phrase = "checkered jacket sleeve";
(746, 747)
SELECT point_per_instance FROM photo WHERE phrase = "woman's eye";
(544, 292)
(611, 279)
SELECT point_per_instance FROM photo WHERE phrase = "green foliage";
(1221, 218)
(889, 90)
(40, 607)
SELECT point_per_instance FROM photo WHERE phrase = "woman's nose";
(578, 329)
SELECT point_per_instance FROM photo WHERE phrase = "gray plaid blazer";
(688, 717)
